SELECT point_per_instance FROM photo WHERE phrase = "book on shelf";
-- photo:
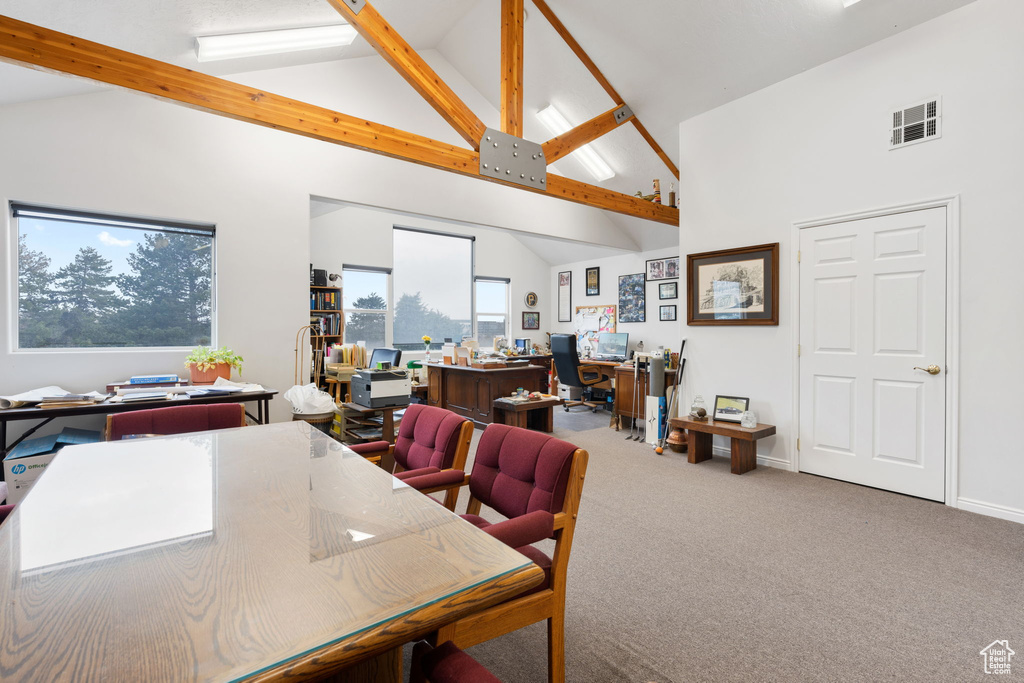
(324, 300)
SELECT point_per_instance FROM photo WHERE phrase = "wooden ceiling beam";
(596, 73)
(512, 67)
(399, 54)
(568, 142)
(40, 48)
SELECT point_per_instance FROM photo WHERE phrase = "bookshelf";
(328, 319)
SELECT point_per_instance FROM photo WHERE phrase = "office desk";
(470, 392)
(257, 552)
(47, 415)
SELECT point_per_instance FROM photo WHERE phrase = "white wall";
(816, 145)
(124, 153)
(652, 331)
(497, 253)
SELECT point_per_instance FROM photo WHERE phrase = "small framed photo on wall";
(666, 313)
(668, 290)
(663, 268)
(593, 281)
(531, 320)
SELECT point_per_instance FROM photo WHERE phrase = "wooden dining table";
(255, 553)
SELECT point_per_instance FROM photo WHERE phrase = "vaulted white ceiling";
(669, 59)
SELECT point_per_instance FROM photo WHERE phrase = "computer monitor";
(612, 343)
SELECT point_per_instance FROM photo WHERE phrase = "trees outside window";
(86, 280)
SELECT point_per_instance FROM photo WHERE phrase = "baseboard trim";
(991, 510)
(762, 460)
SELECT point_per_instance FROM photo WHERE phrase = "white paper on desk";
(222, 383)
(32, 396)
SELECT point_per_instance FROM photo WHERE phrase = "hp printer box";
(29, 459)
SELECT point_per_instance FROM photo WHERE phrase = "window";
(365, 296)
(93, 280)
(433, 281)
(491, 309)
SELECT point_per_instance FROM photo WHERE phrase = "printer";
(381, 388)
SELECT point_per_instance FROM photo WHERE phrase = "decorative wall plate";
(531, 299)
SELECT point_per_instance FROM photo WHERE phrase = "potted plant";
(206, 364)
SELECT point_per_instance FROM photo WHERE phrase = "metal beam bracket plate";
(622, 113)
(513, 159)
(355, 5)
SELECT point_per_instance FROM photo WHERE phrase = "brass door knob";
(931, 369)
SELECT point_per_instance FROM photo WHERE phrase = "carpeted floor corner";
(686, 572)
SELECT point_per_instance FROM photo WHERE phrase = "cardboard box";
(28, 460)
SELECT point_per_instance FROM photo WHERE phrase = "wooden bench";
(744, 448)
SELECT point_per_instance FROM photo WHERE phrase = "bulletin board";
(591, 321)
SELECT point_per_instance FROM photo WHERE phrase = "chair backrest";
(175, 420)
(567, 361)
(428, 436)
(384, 355)
(517, 470)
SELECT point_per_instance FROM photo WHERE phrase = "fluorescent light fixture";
(234, 45)
(847, 3)
(557, 124)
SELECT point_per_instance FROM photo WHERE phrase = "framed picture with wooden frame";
(733, 286)
(531, 320)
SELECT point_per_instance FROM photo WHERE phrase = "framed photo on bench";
(730, 408)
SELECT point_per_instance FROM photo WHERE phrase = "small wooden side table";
(537, 414)
(744, 448)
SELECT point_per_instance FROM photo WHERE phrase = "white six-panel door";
(872, 308)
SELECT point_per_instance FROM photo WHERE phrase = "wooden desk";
(255, 553)
(536, 414)
(47, 415)
(470, 392)
(743, 440)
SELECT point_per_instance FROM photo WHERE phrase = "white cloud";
(109, 239)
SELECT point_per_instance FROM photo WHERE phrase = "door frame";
(952, 362)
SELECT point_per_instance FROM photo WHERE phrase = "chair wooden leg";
(556, 647)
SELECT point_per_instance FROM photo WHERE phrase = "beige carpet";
(686, 572)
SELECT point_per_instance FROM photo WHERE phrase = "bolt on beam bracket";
(513, 159)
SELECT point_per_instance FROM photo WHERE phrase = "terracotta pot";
(209, 376)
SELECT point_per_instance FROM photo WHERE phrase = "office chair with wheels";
(571, 373)
(175, 420)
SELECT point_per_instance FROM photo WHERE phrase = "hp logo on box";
(17, 469)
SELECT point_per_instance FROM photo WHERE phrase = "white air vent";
(919, 122)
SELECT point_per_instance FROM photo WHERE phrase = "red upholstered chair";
(535, 480)
(175, 420)
(430, 451)
(446, 664)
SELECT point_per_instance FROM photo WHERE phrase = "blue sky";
(61, 241)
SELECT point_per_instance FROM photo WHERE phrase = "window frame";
(389, 307)
(17, 210)
(507, 313)
(435, 344)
